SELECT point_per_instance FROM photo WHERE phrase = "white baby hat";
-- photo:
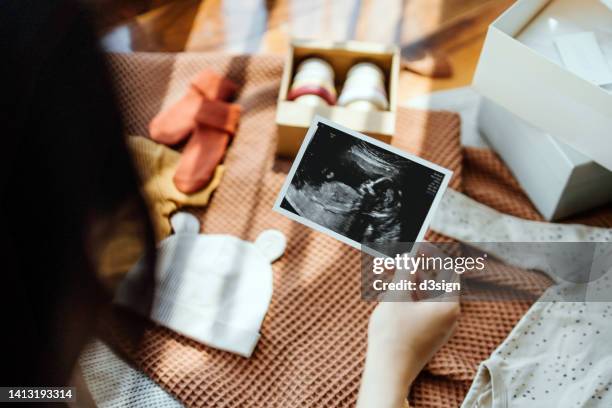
(215, 289)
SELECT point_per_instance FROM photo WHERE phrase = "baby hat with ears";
(215, 289)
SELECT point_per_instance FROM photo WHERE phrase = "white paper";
(607, 3)
(582, 55)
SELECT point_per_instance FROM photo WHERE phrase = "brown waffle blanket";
(313, 340)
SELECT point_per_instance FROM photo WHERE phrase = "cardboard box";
(536, 87)
(559, 180)
(293, 119)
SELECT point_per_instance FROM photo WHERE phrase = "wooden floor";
(260, 26)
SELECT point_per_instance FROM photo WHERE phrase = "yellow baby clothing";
(156, 165)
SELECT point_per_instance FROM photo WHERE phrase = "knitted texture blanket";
(313, 340)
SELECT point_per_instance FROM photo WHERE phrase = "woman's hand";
(402, 337)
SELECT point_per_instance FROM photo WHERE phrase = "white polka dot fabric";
(559, 250)
(115, 384)
(558, 355)
(467, 220)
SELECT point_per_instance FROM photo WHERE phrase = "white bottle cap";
(366, 72)
(316, 67)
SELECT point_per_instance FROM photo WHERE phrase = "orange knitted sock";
(214, 86)
(216, 122)
(203, 152)
(174, 124)
(219, 115)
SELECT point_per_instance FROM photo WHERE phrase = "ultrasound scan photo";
(359, 190)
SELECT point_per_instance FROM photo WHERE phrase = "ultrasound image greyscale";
(360, 190)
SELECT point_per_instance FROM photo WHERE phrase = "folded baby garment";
(214, 289)
(556, 356)
(113, 383)
(157, 165)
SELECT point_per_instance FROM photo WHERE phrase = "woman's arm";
(402, 337)
(384, 382)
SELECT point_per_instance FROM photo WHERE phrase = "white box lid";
(540, 91)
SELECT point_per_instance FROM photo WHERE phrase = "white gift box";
(559, 180)
(521, 69)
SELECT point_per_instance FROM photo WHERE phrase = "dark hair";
(65, 171)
